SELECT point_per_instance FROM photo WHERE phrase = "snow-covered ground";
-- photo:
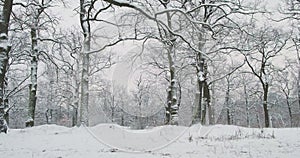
(113, 141)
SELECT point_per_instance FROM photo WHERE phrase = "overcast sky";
(71, 18)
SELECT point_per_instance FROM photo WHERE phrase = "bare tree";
(205, 17)
(267, 43)
(65, 59)
(5, 12)
(290, 12)
(217, 34)
(91, 12)
(39, 22)
(246, 98)
(286, 82)
(86, 28)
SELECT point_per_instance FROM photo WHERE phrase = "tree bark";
(76, 90)
(6, 113)
(298, 81)
(290, 113)
(289, 108)
(206, 98)
(33, 74)
(172, 100)
(200, 81)
(172, 91)
(4, 51)
(258, 120)
(227, 103)
(84, 89)
(85, 63)
(265, 105)
(74, 117)
(211, 109)
(247, 105)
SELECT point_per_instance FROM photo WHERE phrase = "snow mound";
(126, 139)
(114, 141)
(229, 132)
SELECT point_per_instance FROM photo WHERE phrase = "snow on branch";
(225, 7)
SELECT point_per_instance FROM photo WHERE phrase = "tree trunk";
(6, 113)
(85, 63)
(204, 94)
(247, 105)
(112, 114)
(258, 120)
(211, 118)
(265, 105)
(168, 108)
(290, 110)
(33, 74)
(4, 51)
(200, 81)
(74, 117)
(84, 90)
(203, 112)
(227, 104)
(76, 91)
(298, 82)
(122, 119)
(172, 91)
(172, 100)
(211, 109)
(112, 107)
(201, 68)
(140, 126)
(206, 98)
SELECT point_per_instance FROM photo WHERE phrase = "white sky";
(70, 18)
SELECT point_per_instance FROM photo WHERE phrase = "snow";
(3, 43)
(113, 141)
(3, 36)
(201, 76)
(174, 80)
(174, 98)
(174, 106)
(29, 120)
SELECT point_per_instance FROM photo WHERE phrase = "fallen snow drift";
(113, 141)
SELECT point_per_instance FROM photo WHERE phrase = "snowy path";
(51, 141)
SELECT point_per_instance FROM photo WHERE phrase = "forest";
(148, 63)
